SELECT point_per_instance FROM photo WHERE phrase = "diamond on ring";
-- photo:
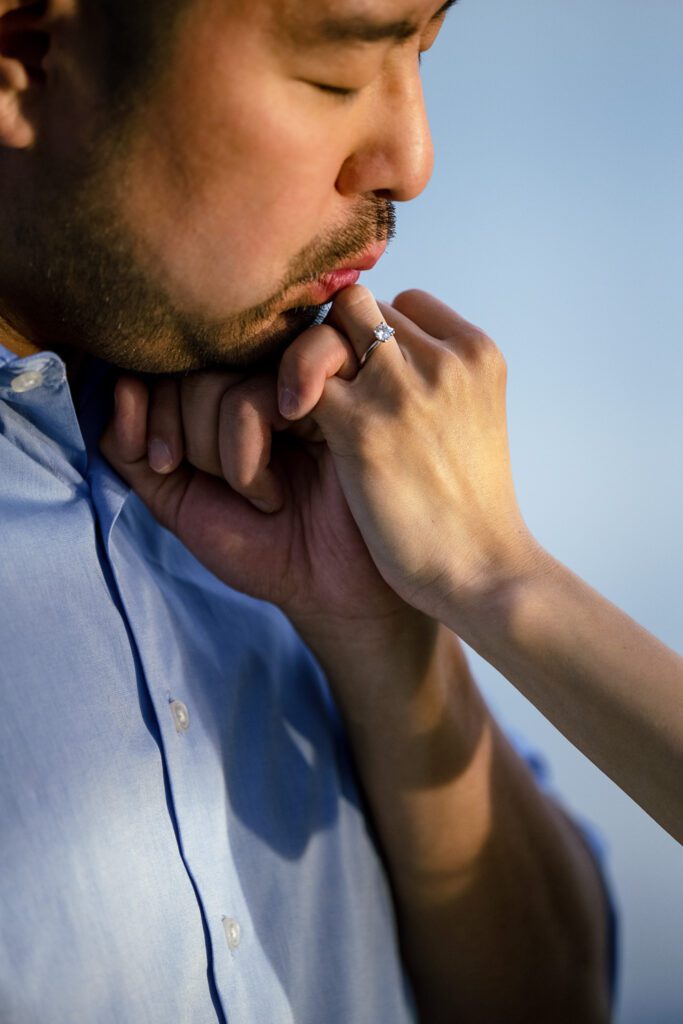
(383, 332)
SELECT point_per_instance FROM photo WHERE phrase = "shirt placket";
(242, 975)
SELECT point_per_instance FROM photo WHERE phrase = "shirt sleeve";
(595, 841)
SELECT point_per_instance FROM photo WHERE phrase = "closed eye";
(336, 90)
(344, 92)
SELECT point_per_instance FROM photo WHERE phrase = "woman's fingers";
(433, 316)
(356, 313)
(444, 325)
(335, 349)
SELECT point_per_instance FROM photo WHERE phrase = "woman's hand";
(419, 442)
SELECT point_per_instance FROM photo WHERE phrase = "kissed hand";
(420, 446)
(380, 488)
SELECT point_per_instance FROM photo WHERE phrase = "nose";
(395, 157)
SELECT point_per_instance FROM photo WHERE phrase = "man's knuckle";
(205, 384)
(238, 407)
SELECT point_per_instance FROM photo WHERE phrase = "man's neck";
(15, 343)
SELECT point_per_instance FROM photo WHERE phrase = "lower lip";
(328, 285)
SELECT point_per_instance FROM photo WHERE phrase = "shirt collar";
(37, 388)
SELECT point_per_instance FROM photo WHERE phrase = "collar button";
(27, 381)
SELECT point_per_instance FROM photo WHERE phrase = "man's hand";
(255, 498)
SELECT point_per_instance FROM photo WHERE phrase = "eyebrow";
(362, 29)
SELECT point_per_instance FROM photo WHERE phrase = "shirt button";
(27, 381)
(233, 932)
(181, 716)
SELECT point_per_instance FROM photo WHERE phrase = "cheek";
(228, 188)
(273, 190)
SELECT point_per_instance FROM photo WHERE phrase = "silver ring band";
(383, 332)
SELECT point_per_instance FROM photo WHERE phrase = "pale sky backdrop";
(555, 222)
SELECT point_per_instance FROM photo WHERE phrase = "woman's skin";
(419, 442)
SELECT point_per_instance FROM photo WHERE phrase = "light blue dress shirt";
(183, 840)
(182, 834)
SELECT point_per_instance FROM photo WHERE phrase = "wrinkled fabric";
(208, 865)
(183, 838)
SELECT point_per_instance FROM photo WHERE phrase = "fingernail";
(289, 403)
(159, 456)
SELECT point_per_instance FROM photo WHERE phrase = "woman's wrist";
(489, 599)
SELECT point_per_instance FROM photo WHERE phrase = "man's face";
(267, 155)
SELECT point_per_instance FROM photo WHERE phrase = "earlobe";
(24, 44)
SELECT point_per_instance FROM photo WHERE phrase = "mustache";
(375, 222)
(262, 346)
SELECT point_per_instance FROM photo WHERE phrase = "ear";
(25, 27)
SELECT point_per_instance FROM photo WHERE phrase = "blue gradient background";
(555, 222)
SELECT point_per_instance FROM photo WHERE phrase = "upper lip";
(367, 260)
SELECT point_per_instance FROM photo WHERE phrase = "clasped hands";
(340, 495)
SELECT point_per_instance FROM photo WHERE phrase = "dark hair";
(139, 35)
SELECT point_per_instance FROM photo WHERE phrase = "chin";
(257, 349)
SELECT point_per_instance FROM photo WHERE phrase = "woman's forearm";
(608, 685)
(420, 447)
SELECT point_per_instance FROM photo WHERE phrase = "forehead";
(307, 9)
(320, 20)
